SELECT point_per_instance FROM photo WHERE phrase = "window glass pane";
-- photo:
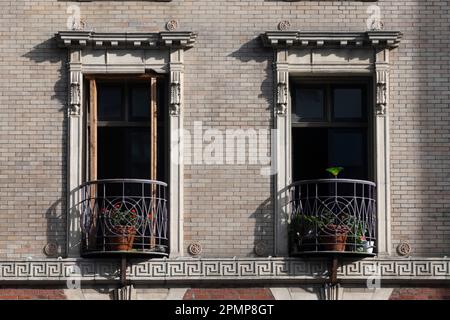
(110, 153)
(123, 152)
(140, 102)
(109, 102)
(309, 103)
(138, 155)
(347, 149)
(161, 97)
(347, 103)
(309, 153)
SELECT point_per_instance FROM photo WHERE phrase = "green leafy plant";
(301, 225)
(335, 171)
(303, 231)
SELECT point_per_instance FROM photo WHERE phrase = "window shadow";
(42, 54)
(254, 52)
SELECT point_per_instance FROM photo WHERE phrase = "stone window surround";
(124, 53)
(331, 54)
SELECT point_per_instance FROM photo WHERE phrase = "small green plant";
(302, 224)
(335, 171)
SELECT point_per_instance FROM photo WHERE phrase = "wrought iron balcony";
(336, 216)
(124, 217)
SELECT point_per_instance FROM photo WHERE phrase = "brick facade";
(228, 294)
(31, 294)
(420, 294)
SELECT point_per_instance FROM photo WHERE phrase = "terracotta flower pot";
(122, 238)
(334, 237)
(335, 242)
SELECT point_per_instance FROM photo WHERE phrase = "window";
(127, 135)
(330, 127)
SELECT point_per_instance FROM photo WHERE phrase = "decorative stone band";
(80, 39)
(387, 39)
(241, 270)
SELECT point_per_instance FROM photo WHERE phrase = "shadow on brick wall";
(42, 55)
(254, 51)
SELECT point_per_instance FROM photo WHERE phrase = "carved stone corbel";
(282, 78)
(175, 93)
(382, 76)
(75, 81)
(75, 98)
(282, 98)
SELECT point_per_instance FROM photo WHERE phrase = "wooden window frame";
(93, 122)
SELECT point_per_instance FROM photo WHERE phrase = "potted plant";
(367, 246)
(302, 231)
(355, 241)
(123, 228)
(333, 237)
(335, 171)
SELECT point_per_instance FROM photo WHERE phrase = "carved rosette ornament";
(175, 94)
(284, 25)
(381, 92)
(172, 25)
(261, 249)
(51, 249)
(404, 249)
(195, 248)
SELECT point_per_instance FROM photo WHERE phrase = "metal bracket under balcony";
(333, 217)
(124, 217)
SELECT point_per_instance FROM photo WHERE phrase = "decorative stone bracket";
(381, 78)
(282, 97)
(75, 93)
(175, 93)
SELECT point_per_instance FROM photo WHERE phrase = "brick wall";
(31, 294)
(228, 294)
(420, 294)
(228, 85)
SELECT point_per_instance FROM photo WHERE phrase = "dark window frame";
(329, 84)
(330, 123)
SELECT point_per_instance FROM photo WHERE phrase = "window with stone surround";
(93, 57)
(315, 55)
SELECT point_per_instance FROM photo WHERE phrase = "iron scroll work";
(124, 216)
(333, 216)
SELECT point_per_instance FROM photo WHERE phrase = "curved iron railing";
(124, 216)
(332, 215)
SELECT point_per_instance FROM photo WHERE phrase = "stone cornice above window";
(77, 39)
(277, 39)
